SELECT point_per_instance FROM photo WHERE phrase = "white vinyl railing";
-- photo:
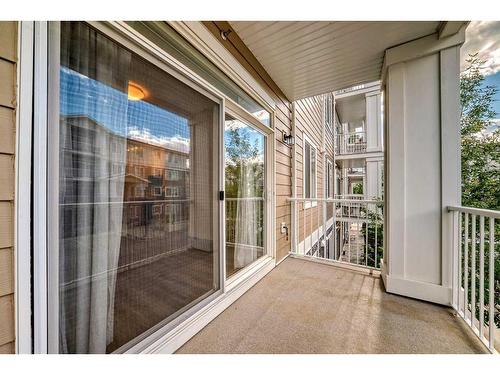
(476, 269)
(340, 230)
(350, 143)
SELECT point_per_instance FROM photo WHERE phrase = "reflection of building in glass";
(151, 182)
(135, 157)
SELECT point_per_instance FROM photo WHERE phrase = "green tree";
(357, 188)
(480, 149)
(480, 157)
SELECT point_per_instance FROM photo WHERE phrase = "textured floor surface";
(307, 307)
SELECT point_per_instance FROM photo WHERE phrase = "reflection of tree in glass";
(244, 181)
(243, 157)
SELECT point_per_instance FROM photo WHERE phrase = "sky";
(483, 37)
(109, 107)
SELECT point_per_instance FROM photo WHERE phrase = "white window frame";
(269, 140)
(309, 204)
(328, 105)
(329, 179)
(174, 334)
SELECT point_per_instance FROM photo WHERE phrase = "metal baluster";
(319, 231)
(481, 277)
(366, 236)
(376, 244)
(491, 301)
(349, 207)
(310, 226)
(466, 265)
(459, 275)
(304, 226)
(473, 272)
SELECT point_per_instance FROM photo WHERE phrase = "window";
(329, 179)
(110, 289)
(157, 191)
(329, 111)
(309, 183)
(245, 174)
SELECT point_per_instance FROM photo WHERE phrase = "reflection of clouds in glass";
(255, 138)
(483, 37)
(263, 116)
(235, 125)
(83, 96)
(175, 143)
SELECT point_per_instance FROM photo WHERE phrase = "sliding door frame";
(45, 148)
(240, 114)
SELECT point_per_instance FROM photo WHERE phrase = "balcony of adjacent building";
(358, 122)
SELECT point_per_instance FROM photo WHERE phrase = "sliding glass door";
(245, 186)
(137, 182)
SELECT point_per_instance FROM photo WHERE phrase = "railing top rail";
(476, 211)
(245, 199)
(335, 200)
(353, 132)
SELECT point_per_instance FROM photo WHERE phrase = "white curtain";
(93, 129)
(248, 216)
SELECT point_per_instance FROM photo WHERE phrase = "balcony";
(304, 306)
(350, 143)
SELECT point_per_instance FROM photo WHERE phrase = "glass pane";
(167, 38)
(313, 172)
(136, 191)
(245, 203)
(307, 170)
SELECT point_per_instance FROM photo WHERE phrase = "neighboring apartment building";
(162, 169)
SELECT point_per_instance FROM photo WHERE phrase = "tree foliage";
(480, 153)
(480, 148)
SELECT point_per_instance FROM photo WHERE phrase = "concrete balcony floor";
(308, 307)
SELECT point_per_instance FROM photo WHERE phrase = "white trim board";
(416, 289)
(22, 213)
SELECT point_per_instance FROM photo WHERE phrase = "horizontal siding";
(310, 122)
(8, 66)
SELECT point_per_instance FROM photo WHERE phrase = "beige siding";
(309, 120)
(8, 66)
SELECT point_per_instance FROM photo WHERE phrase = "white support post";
(421, 81)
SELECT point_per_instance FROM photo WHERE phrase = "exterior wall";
(309, 121)
(8, 58)
(309, 117)
(423, 168)
(283, 118)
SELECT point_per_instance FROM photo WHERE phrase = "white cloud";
(176, 143)
(483, 37)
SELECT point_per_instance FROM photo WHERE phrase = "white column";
(373, 125)
(422, 165)
(373, 177)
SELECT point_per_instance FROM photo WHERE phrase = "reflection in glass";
(245, 203)
(136, 191)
